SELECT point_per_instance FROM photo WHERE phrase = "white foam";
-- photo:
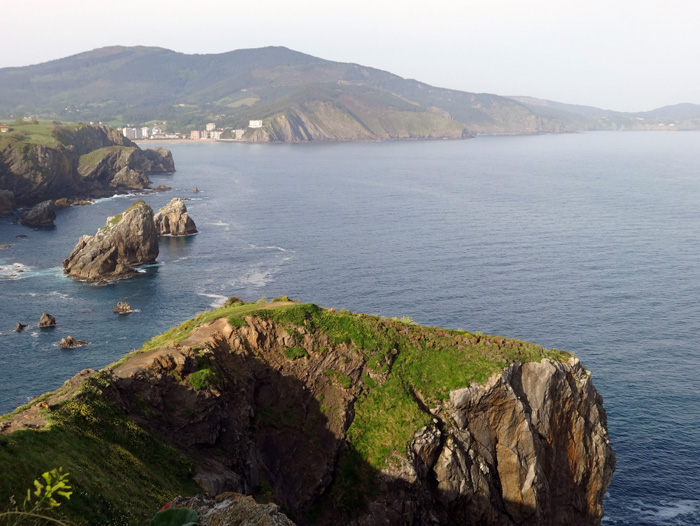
(219, 300)
(221, 223)
(664, 511)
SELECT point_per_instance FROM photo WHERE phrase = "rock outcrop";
(90, 161)
(41, 214)
(47, 320)
(173, 219)
(352, 419)
(127, 240)
(233, 508)
(7, 203)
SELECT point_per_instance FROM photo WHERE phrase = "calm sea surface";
(587, 242)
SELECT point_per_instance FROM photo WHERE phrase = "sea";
(588, 243)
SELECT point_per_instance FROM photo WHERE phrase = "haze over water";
(588, 243)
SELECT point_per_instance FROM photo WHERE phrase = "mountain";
(299, 97)
(338, 418)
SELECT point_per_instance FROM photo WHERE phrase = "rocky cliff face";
(127, 240)
(90, 161)
(173, 219)
(353, 419)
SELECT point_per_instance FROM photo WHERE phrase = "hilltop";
(297, 96)
(334, 416)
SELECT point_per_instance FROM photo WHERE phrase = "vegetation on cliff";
(287, 401)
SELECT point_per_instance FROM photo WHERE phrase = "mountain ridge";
(299, 97)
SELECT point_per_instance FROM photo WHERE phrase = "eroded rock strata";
(173, 219)
(341, 418)
(127, 240)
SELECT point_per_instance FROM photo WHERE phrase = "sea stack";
(47, 320)
(127, 240)
(42, 214)
(173, 220)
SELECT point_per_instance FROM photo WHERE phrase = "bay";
(586, 242)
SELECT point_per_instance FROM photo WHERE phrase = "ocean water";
(586, 242)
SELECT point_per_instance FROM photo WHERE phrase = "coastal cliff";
(334, 416)
(40, 162)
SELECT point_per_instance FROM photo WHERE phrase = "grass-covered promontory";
(123, 473)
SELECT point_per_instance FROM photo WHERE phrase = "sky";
(614, 54)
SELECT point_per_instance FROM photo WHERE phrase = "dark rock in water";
(128, 178)
(20, 327)
(7, 202)
(47, 320)
(127, 239)
(173, 220)
(161, 160)
(43, 214)
(2, 247)
(195, 190)
(21, 236)
(69, 342)
(161, 188)
(123, 308)
(65, 202)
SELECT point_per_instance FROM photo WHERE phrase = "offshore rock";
(42, 214)
(20, 327)
(123, 308)
(127, 240)
(161, 160)
(173, 220)
(47, 320)
(69, 342)
(233, 508)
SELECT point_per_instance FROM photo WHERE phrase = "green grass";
(92, 159)
(343, 380)
(296, 352)
(41, 133)
(120, 472)
(207, 376)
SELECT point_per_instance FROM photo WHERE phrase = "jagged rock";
(20, 327)
(69, 342)
(195, 190)
(161, 188)
(7, 202)
(127, 240)
(47, 320)
(173, 220)
(233, 509)
(42, 214)
(123, 308)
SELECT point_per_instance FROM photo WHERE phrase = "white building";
(131, 133)
(215, 135)
(255, 124)
(145, 132)
(211, 126)
(156, 130)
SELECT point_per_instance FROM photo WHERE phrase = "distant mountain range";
(297, 96)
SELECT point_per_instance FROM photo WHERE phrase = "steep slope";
(337, 417)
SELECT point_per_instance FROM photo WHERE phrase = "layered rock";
(42, 214)
(281, 400)
(173, 219)
(127, 240)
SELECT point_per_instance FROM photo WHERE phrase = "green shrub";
(295, 352)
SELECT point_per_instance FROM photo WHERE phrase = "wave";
(219, 299)
(665, 512)
(221, 223)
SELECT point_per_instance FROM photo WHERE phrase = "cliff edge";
(336, 417)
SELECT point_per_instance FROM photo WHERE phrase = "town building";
(237, 134)
(215, 135)
(195, 134)
(145, 132)
(255, 124)
(131, 133)
(4, 129)
(211, 126)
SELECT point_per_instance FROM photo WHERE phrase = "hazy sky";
(616, 54)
